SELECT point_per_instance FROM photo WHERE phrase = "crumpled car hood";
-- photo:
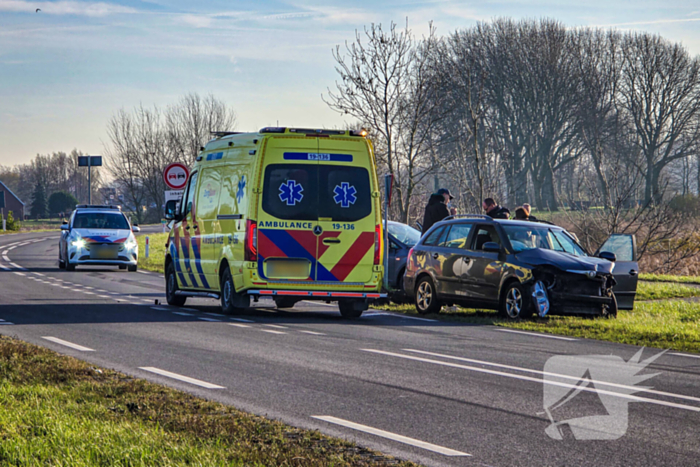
(564, 261)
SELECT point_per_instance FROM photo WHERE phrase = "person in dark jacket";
(495, 211)
(527, 209)
(437, 209)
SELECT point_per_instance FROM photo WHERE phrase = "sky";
(65, 70)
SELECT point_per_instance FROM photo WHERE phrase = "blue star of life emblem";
(241, 189)
(290, 192)
(345, 195)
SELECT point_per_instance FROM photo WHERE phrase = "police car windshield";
(529, 237)
(311, 192)
(100, 220)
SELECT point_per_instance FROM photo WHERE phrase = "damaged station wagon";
(519, 268)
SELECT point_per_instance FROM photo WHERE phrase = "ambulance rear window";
(309, 192)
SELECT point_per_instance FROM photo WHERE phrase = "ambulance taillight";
(251, 241)
(378, 244)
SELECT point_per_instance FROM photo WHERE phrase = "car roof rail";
(98, 206)
(541, 221)
(474, 216)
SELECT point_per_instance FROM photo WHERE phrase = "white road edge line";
(19, 273)
(213, 314)
(547, 373)
(238, 325)
(182, 313)
(548, 336)
(212, 320)
(392, 436)
(14, 265)
(319, 303)
(5, 322)
(242, 320)
(187, 379)
(67, 344)
(538, 380)
(276, 326)
(5, 267)
(677, 354)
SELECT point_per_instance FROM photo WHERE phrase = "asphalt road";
(433, 392)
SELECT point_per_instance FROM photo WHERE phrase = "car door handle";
(435, 255)
(326, 241)
(187, 228)
(633, 272)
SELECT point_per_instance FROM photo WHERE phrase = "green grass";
(665, 290)
(670, 278)
(673, 324)
(156, 257)
(59, 411)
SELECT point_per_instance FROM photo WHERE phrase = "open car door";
(626, 269)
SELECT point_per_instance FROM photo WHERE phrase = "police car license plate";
(103, 252)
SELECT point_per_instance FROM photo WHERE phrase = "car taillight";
(378, 244)
(251, 241)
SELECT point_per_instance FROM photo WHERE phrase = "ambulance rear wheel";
(171, 287)
(285, 302)
(351, 309)
(231, 302)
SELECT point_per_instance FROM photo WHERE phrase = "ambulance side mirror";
(171, 210)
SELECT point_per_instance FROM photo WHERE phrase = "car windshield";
(529, 237)
(404, 233)
(100, 220)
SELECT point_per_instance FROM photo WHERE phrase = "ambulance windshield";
(309, 192)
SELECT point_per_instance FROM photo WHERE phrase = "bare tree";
(661, 93)
(386, 84)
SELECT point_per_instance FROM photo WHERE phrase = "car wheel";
(427, 301)
(351, 309)
(133, 268)
(70, 267)
(61, 264)
(515, 302)
(171, 288)
(232, 302)
(285, 302)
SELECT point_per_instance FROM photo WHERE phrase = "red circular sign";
(175, 175)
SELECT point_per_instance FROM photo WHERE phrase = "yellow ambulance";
(287, 213)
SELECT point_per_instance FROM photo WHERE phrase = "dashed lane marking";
(160, 308)
(3, 322)
(186, 379)
(212, 320)
(104, 296)
(68, 344)
(392, 436)
(313, 333)
(273, 332)
(276, 326)
(535, 334)
(18, 273)
(213, 314)
(238, 325)
(17, 266)
(182, 313)
(242, 320)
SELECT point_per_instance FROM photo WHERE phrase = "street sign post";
(175, 175)
(89, 162)
(388, 185)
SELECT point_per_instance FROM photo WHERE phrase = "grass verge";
(57, 410)
(665, 290)
(673, 324)
(156, 256)
(670, 278)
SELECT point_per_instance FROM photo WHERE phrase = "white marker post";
(147, 247)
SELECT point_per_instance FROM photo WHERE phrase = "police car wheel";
(70, 267)
(133, 268)
(171, 288)
(61, 264)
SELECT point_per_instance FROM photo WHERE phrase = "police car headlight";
(131, 244)
(78, 243)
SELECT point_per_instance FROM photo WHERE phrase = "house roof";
(10, 191)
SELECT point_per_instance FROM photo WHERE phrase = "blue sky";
(65, 70)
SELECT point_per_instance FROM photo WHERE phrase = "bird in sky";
(37, 10)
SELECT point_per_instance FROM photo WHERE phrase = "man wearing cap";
(437, 209)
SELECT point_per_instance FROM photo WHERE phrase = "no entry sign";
(175, 175)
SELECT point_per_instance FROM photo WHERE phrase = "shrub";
(11, 223)
(687, 204)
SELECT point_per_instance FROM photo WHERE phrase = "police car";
(98, 235)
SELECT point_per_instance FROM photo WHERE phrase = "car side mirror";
(135, 228)
(171, 209)
(492, 247)
(65, 226)
(608, 255)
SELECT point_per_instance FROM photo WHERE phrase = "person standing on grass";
(495, 211)
(437, 209)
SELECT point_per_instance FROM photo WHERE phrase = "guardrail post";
(147, 246)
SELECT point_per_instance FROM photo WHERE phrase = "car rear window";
(99, 220)
(310, 192)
